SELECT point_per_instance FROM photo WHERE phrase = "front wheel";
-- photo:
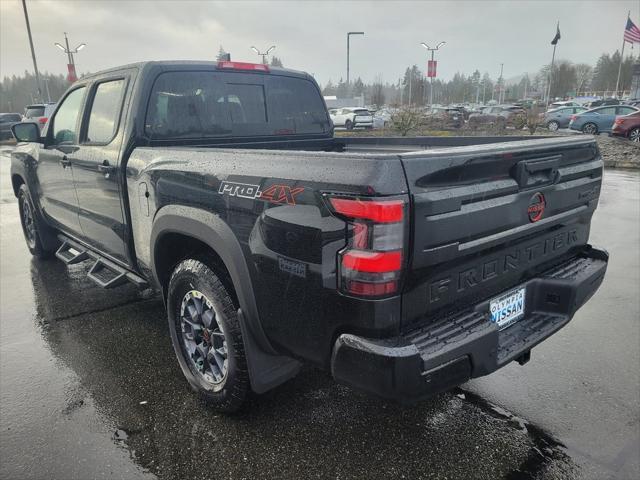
(590, 128)
(206, 335)
(31, 228)
(553, 126)
(634, 135)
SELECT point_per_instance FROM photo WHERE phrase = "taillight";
(371, 264)
(244, 66)
(572, 118)
(618, 121)
(42, 120)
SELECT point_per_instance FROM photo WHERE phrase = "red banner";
(71, 75)
(431, 68)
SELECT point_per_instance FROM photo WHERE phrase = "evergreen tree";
(221, 54)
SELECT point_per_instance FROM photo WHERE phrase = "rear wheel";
(553, 126)
(634, 135)
(31, 227)
(590, 128)
(206, 335)
(348, 125)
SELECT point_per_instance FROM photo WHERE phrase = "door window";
(65, 123)
(105, 111)
(607, 111)
(625, 110)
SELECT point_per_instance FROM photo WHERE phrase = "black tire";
(590, 128)
(553, 126)
(634, 135)
(196, 275)
(31, 226)
(348, 125)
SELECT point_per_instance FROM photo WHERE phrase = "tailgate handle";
(543, 171)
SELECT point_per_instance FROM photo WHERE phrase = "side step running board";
(106, 276)
(70, 255)
(104, 272)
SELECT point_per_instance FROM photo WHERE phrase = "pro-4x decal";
(274, 194)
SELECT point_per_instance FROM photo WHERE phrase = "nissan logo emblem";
(536, 207)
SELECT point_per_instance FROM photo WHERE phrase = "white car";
(38, 113)
(351, 117)
(382, 118)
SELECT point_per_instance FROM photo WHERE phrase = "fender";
(20, 168)
(267, 368)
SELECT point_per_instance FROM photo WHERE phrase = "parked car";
(500, 115)
(627, 126)
(443, 118)
(556, 105)
(38, 113)
(374, 258)
(6, 121)
(382, 118)
(599, 120)
(602, 102)
(351, 117)
(560, 117)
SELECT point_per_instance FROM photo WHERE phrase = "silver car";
(560, 117)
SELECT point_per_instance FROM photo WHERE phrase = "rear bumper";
(452, 350)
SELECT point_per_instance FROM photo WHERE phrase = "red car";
(627, 126)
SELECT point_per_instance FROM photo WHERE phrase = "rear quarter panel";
(273, 203)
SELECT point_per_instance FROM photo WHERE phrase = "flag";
(557, 37)
(631, 32)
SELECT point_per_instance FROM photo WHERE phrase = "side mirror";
(26, 132)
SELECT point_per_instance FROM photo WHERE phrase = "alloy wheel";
(28, 222)
(203, 338)
(634, 135)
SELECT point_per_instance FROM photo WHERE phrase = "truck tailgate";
(487, 217)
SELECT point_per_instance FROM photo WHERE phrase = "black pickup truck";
(405, 266)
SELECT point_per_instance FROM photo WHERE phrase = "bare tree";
(584, 72)
(377, 92)
(405, 119)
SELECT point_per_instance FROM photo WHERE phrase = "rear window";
(361, 112)
(33, 112)
(213, 104)
(10, 117)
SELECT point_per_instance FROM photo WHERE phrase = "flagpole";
(622, 55)
(553, 57)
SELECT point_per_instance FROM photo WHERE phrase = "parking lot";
(90, 388)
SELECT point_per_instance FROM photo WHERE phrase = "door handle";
(106, 169)
(65, 162)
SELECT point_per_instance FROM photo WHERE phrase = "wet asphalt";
(90, 388)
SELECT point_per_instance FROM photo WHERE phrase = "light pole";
(33, 52)
(432, 50)
(72, 77)
(263, 55)
(348, 36)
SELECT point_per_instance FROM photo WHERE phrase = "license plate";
(508, 308)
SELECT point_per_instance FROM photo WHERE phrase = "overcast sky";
(310, 35)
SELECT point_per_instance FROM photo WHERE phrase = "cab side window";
(607, 111)
(65, 123)
(105, 110)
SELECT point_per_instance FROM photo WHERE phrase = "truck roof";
(198, 64)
